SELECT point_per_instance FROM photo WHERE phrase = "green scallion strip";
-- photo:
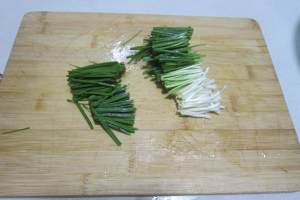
(16, 130)
(84, 115)
(130, 39)
(110, 133)
(108, 102)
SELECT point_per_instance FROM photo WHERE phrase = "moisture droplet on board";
(212, 155)
(262, 154)
(106, 173)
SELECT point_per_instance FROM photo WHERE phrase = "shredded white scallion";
(196, 94)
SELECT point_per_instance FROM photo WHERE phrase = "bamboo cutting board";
(250, 147)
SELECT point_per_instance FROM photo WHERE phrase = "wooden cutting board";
(250, 147)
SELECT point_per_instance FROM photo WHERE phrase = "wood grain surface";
(250, 147)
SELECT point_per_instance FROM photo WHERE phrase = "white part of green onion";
(196, 94)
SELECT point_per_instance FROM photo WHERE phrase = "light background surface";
(279, 21)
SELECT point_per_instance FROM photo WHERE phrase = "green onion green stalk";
(172, 63)
(98, 86)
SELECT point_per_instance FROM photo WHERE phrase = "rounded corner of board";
(31, 14)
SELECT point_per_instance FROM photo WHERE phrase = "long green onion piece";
(130, 39)
(84, 115)
(16, 130)
(172, 62)
(97, 88)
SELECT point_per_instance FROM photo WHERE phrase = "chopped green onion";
(172, 63)
(108, 102)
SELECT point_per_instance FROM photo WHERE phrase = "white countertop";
(279, 21)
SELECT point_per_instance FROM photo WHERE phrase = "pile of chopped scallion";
(172, 62)
(96, 88)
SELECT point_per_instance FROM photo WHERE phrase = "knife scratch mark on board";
(94, 41)
(39, 104)
(234, 102)
(44, 27)
(250, 72)
(44, 23)
(131, 162)
(83, 182)
(185, 123)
